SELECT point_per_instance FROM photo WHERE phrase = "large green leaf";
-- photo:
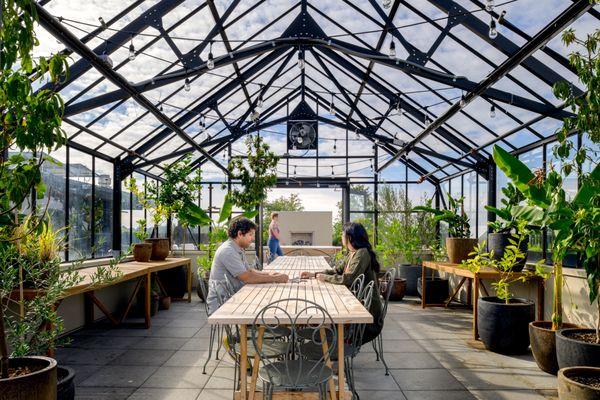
(226, 209)
(251, 213)
(521, 176)
(193, 215)
(535, 216)
(502, 213)
(589, 188)
(429, 210)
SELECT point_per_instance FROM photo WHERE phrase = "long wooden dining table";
(242, 308)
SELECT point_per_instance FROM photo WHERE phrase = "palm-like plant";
(454, 216)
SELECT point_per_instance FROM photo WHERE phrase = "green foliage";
(256, 176)
(481, 259)
(216, 236)
(506, 219)
(454, 215)
(141, 233)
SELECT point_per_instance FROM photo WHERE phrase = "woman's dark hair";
(243, 225)
(358, 237)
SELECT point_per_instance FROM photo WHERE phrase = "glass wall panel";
(103, 208)
(481, 211)
(54, 175)
(80, 205)
(126, 218)
(470, 200)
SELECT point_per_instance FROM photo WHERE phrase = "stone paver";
(430, 354)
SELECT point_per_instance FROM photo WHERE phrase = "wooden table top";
(130, 270)
(337, 300)
(457, 269)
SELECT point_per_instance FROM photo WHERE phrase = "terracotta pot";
(160, 248)
(142, 252)
(398, 290)
(543, 345)
(569, 389)
(38, 385)
(459, 248)
(165, 303)
(66, 383)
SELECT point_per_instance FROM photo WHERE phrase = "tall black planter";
(571, 352)
(436, 289)
(174, 281)
(497, 242)
(504, 328)
(411, 273)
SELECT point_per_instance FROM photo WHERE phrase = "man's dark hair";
(243, 225)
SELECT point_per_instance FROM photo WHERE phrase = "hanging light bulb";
(131, 50)
(392, 52)
(489, 5)
(186, 85)
(160, 108)
(331, 106)
(399, 106)
(287, 183)
(386, 3)
(371, 165)
(493, 111)
(332, 173)
(294, 171)
(300, 59)
(334, 145)
(224, 155)
(202, 123)
(259, 103)
(493, 32)
(426, 119)
(463, 100)
(357, 135)
(300, 140)
(210, 64)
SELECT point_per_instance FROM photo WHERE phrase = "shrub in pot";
(142, 251)
(503, 320)
(458, 244)
(579, 383)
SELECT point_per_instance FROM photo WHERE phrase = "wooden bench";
(475, 283)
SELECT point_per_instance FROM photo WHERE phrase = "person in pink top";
(273, 242)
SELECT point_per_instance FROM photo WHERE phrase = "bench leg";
(102, 308)
(147, 302)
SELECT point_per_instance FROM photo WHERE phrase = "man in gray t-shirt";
(230, 261)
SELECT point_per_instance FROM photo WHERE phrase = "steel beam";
(540, 39)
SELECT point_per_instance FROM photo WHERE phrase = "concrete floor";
(430, 354)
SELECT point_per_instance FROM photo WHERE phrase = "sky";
(474, 124)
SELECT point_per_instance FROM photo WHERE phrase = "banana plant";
(550, 208)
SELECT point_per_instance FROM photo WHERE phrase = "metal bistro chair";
(357, 285)
(215, 331)
(353, 336)
(299, 372)
(388, 280)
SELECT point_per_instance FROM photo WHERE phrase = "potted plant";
(142, 251)
(458, 243)
(436, 288)
(216, 236)
(503, 319)
(505, 225)
(391, 247)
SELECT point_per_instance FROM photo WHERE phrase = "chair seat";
(313, 351)
(295, 373)
(269, 349)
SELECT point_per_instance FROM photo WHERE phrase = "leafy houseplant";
(458, 244)
(503, 320)
(506, 224)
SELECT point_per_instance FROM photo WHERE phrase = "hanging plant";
(255, 176)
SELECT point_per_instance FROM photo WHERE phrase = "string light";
(334, 145)
(294, 171)
(131, 50)
(386, 3)
(501, 17)
(332, 173)
(210, 64)
(371, 162)
(493, 32)
(463, 100)
(489, 5)
(426, 119)
(202, 123)
(331, 106)
(300, 59)
(105, 57)
(259, 103)
(392, 51)
(357, 135)
(186, 85)
(493, 111)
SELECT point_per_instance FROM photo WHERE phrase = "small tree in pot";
(503, 320)
(459, 244)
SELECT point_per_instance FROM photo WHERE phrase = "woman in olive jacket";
(360, 260)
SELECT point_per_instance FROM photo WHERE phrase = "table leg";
(475, 311)
(540, 298)
(243, 362)
(423, 286)
(327, 360)
(256, 364)
(341, 376)
(148, 291)
(189, 283)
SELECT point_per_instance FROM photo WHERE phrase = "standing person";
(360, 260)
(230, 261)
(274, 233)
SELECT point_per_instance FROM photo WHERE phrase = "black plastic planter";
(504, 328)
(411, 273)
(436, 290)
(571, 352)
(497, 242)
